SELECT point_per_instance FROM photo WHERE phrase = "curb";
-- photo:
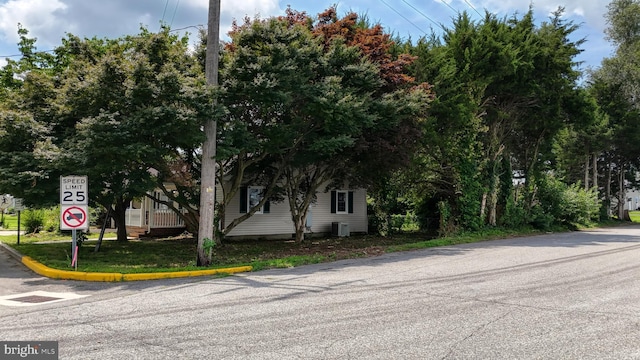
(43, 270)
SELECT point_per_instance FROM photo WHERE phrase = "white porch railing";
(154, 219)
(164, 218)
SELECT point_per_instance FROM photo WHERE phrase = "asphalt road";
(556, 296)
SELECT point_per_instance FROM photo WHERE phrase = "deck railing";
(154, 219)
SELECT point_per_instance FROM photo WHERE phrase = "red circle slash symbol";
(74, 217)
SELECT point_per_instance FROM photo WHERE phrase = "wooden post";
(208, 172)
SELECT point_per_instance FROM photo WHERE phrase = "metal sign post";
(74, 209)
(74, 250)
(18, 227)
(18, 206)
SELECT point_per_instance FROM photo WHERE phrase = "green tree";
(623, 17)
(615, 87)
(122, 111)
(28, 91)
(302, 108)
(500, 85)
(137, 108)
(620, 152)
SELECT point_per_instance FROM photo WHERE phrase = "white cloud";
(50, 20)
(38, 16)
(252, 7)
(590, 12)
(234, 9)
(235, 6)
(238, 9)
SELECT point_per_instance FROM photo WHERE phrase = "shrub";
(579, 206)
(515, 216)
(396, 223)
(52, 219)
(447, 225)
(377, 225)
(33, 220)
(564, 204)
(541, 219)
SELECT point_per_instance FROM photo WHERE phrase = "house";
(633, 200)
(339, 212)
(344, 208)
(147, 217)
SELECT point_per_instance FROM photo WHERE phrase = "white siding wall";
(278, 220)
(322, 216)
(633, 200)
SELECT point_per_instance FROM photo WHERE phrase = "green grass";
(464, 238)
(45, 236)
(10, 222)
(121, 257)
(635, 216)
(180, 254)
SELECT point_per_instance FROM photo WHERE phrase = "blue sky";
(50, 20)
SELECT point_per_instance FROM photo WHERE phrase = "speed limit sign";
(74, 190)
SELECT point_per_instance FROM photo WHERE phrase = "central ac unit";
(340, 229)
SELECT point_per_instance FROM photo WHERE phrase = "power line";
(16, 55)
(199, 26)
(474, 9)
(174, 13)
(421, 13)
(449, 6)
(10, 56)
(165, 10)
(405, 18)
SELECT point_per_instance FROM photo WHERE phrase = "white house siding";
(322, 216)
(633, 200)
(278, 223)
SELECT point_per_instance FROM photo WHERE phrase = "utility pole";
(208, 173)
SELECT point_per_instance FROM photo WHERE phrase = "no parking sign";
(74, 209)
(74, 217)
(74, 203)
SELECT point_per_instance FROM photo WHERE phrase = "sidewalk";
(43, 270)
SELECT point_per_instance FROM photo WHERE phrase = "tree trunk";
(621, 194)
(608, 191)
(119, 216)
(493, 199)
(594, 181)
(299, 223)
(494, 181)
(586, 173)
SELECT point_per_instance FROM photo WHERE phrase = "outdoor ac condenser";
(340, 229)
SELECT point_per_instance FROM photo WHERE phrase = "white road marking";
(34, 298)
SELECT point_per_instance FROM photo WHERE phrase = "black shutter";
(266, 208)
(333, 202)
(350, 204)
(243, 199)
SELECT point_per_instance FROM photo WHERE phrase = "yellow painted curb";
(171, 275)
(111, 277)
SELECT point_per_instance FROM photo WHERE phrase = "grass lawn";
(136, 256)
(10, 222)
(635, 216)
